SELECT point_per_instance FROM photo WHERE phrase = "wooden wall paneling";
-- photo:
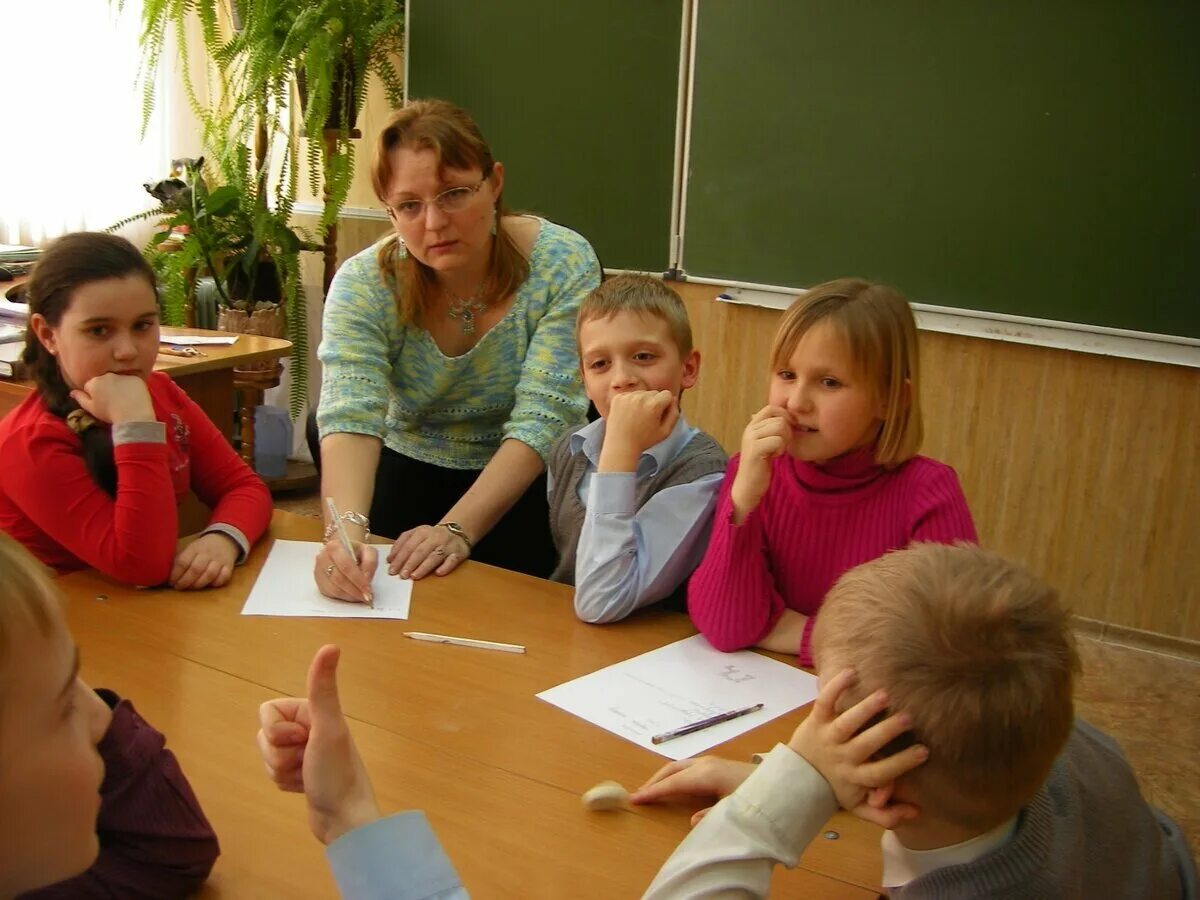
(1086, 468)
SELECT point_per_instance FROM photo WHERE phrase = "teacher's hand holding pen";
(307, 747)
(343, 576)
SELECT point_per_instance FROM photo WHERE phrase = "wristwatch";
(457, 530)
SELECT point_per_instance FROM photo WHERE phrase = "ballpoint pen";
(704, 723)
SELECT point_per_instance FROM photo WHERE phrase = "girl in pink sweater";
(828, 475)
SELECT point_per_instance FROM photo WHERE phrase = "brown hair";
(67, 264)
(27, 595)
(640, 294)
(877, 323)
(978, 652)
(457, 143)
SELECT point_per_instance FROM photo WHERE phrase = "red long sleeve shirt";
(50, 503)
(813, 524)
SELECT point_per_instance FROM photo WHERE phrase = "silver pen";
(346, 545)
(464, 642)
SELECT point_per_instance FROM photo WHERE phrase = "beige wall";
(375, 113)
(1086, 468)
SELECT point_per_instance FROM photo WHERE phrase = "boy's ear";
(690, 370)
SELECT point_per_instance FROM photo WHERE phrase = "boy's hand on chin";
(636, 421)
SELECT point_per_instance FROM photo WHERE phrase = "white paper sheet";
(683, 683)
(285, 587)
(195, 340)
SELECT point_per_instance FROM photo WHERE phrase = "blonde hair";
(28, 597)
(877, 323)
(639, 294)
(978, 652)
(457, 143)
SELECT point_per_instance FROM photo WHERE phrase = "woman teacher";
(450, 365)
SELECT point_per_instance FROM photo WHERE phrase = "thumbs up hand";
(307, 747)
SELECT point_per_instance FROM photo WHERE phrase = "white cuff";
(139, 433)
(792, 795)
(235, 534)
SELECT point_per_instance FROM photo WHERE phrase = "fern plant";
(257, 50)
(260, 48)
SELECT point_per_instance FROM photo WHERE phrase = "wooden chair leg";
(252, 384)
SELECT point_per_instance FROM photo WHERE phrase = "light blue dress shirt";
(395, 858)
(629, 558)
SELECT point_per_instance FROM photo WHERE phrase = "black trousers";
(409, 493)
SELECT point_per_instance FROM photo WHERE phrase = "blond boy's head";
(978, 652)
(28, 599)
(633, 334)
(641, 295)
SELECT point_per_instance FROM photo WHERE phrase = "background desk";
(207, 379)
(456, 732)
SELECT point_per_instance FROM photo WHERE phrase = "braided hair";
(69, 263)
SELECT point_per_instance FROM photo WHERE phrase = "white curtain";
(72, 155)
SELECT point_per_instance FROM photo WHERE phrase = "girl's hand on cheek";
(115, 399)
(767, 436)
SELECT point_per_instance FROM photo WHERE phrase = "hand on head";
(636, 421)
(768, 435)
(341, 576)
(705, 777)
(843, 750)
(426, 550)
(115, 399)
(207, 561)
(307, 746)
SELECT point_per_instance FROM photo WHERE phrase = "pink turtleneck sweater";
(813, 524)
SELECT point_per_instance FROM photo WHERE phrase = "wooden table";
(207, 379)
(456, 732)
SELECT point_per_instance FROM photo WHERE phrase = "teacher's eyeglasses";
(451, 200)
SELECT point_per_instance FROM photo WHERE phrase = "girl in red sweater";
(828, 475)
(97, 459)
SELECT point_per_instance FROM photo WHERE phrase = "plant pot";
(261, 285)
(268, 322)
(343, 92)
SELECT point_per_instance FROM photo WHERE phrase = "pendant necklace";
(467, 308)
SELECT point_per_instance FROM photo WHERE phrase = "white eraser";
(606, 795)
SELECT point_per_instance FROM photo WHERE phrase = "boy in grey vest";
(632, 494)
(987, 784)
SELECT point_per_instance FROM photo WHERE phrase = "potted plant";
(215, 222)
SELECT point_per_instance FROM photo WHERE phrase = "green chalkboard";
(577, 99)
(1031, 158)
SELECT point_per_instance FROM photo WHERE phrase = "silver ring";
(329, 570)
(439, 551)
